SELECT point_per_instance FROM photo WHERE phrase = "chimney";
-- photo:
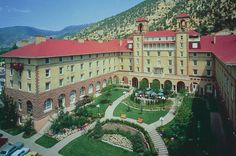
(81, 41)
(39, 39)
(214, 41)
(121, 43)
(23, 43)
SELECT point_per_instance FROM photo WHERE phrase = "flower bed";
(118, 140)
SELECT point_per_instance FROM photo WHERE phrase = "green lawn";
(104, 100)
(148, 116)
(90, 147)
(148, 106)
(46, 141)
(192, 135)
(14, 131)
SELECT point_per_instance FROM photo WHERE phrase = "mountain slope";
(10, 35)
(207, 16)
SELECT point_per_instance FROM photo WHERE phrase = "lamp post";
(161, 119)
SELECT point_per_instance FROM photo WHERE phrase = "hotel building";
(49, 73)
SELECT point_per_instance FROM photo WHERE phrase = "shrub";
(138, 145)
(28, 128)
(98, 132)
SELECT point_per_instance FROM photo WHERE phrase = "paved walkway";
(151, 129)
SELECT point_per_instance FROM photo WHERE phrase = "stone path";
(151, 129)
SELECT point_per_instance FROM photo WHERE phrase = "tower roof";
(141, 19)
(182, 15)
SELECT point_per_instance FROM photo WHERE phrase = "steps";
(158, 143)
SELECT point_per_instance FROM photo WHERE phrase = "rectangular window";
(148, 69)
(72, 68)
(194, 62)
(90, 64)
(104, 70)
(181, 53)
(90, 74)
(47, 86)
(181, 45)
(130, 61)
(194, 54)
(47, 73)
(90, 55)
(148, 61)
(208, 72)
(61, 82)
(96, 55)
(182, 71)
(138, 53)
(121, 67)
(11, 72)
(97, 72)
(130, 68)
(195, 71)
(19, 105)
(181, 62)
(158, 53)
(170, 62)
(170, 71)
(47, 60)
(82, 66)
(170, 53)
(137, 68)
(82, 77)
(11, 83)
(19, 84)
(29, 74)
(29, 87)
(60, 59)
(81, 57)
(121, 60)
(29, 61)
(104, 62)
(148, 53)
(71, 58)
(208, 63)
(208, 54)
(72, 79)
(61, 70)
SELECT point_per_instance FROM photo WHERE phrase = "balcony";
(17, 66)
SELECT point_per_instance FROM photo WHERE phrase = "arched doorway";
(104, 83)
(135, 82)
(144, 84)
(90, 89)
(167, 86)
(82, 91)
(29, 107)
(98, 86)
(155, 85)
(72, 97)
(180, 86)
(61, 101)
(109, 81)
(125, 80)
(116, 80)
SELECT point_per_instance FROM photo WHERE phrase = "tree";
(144, 84)
(9, 114)
(155, 85)
(98, 131)
(29, 128)
(137, 141)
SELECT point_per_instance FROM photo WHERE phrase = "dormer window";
(47, 60)
(194, 45)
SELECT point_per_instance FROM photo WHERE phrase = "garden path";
(150, 128)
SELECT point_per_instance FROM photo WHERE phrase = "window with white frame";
(47, 105)
(47, 86)
(47, 73)
(61, 82)
(11, 72)
(60, 70)
(29, 74)
(47, 60)
(29, 87)
(194, 45)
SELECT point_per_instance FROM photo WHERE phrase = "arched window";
(29, 107)
(72, 97)
(90, 89)
(82, 91)
(47, 105)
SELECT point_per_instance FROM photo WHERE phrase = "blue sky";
(57, 14)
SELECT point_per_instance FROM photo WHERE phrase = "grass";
(194, 138)
(147, 116)
(91, 147)
(46, 141)
(14, 131)
(104, 100)
(150, 106)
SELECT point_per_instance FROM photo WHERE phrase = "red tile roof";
(55, 48)
(141, 19)
(182, 15)
(224, 47)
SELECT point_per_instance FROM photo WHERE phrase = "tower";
(182, 44)
(141, 28)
